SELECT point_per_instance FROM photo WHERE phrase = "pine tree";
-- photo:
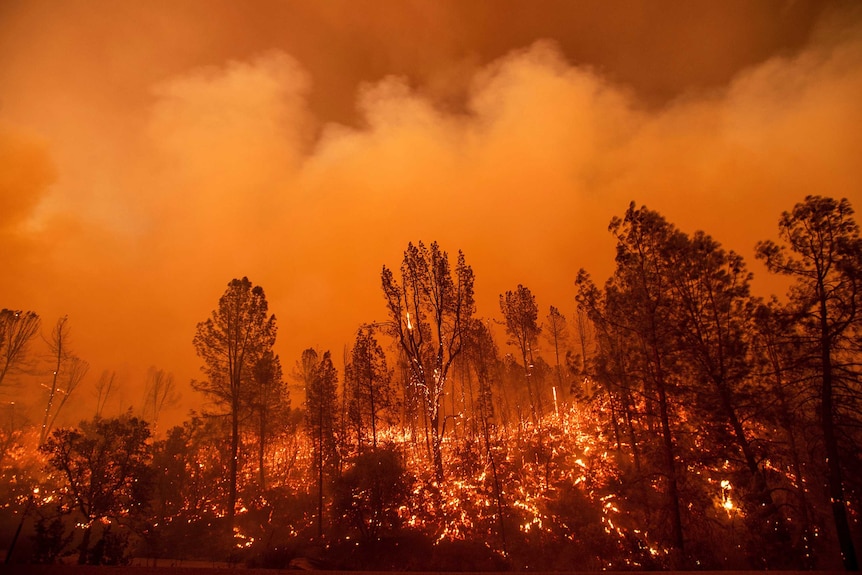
(239, 333)
(826, 264)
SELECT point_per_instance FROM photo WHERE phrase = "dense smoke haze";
(148, 155)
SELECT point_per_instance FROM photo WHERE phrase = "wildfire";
(555, 479)
(727, 502)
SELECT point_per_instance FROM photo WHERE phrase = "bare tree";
(68, 372)
(17, 328)
(160, 392)
(585, 338)
(103, 390)
(558, 335)
(429, 309)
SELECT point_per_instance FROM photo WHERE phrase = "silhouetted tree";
(610, 365)
(105, 465)
(68, 372)
(779, 358)
(231, 343)
(191, 462)
(189, 490)
(371, 491)
(320, 379)
(17, 328)
(429, 309)
(557, 333)
(160, 392)
(521, 315)
(826, 264)
(269, 402)
(172, 463)
(635, 307)
(713, 321)
(483, 355)
(104, 387)
(372, 398)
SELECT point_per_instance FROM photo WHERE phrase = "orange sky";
(150, 154)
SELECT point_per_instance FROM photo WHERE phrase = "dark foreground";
(169, 570)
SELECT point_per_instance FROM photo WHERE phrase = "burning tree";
(695, 441)
(429, 309)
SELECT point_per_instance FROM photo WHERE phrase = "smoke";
(131, 211)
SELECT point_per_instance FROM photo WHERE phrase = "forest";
(675, 421)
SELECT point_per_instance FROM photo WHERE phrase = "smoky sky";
(151, 152)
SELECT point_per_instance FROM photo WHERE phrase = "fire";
(549, 481)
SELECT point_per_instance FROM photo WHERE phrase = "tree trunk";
(614, 421)
(261, 454)
(798, 477)
(320, 460)
(745, 446)
(234, 457)
(436, 445)
(830, 441)
(498, 493)
(627, 417)
(670, 465)
(84, 547)
(373, 413)
(44, 433)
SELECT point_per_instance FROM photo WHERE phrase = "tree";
(269, 400)
(780, 361)
(231, 342)
(429, 310)
(17, 328)
(189, 490)
(320, 379)
(826, 264)
(372, 397)
(713, 320)
(105, 464)
(521, 315)
(68, 372)
(160, 392)
(557, 334)
(103, 390)
(370, 493)
(483, 356)
(633, 318)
